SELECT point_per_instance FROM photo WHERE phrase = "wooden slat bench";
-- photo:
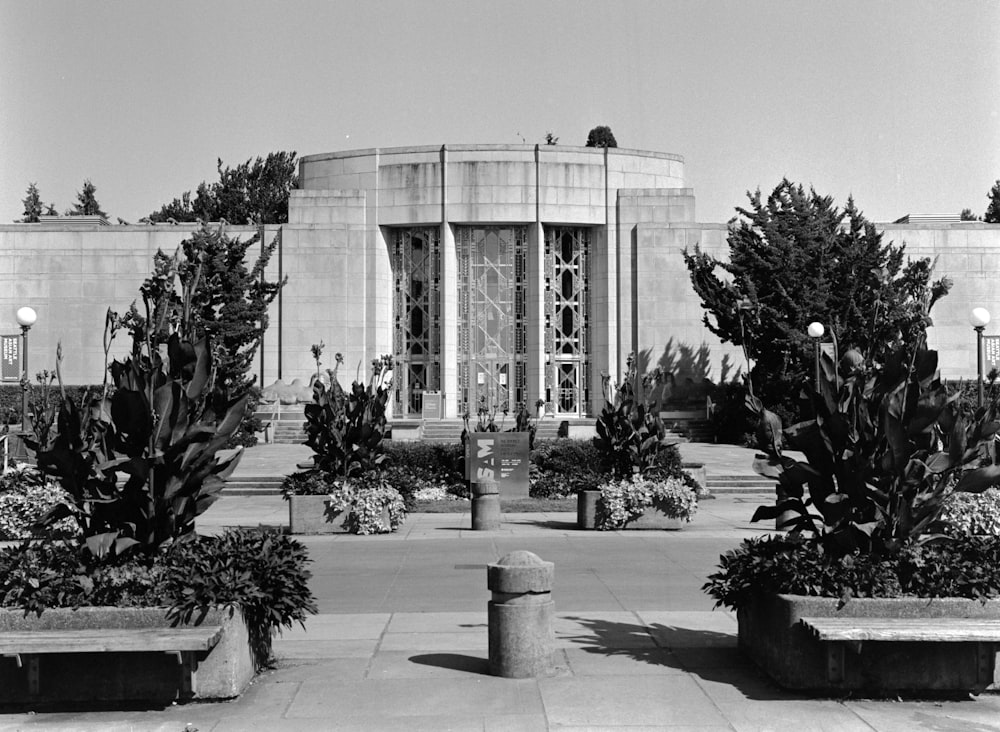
(851, 633)
(27, 645)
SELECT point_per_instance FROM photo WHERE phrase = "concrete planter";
(653, 518)
(312, 515)
(586, 509)
(770, 633)
(221, 673)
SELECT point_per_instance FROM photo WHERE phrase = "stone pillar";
(586, 509)
(521, 641)
(485, 506)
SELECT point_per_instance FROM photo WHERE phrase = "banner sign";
(991, 353)
(499, 456)
(10, 358)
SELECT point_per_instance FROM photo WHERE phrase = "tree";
(967, 215)
(601, 136)
(992, 215)
(551, 139)
(253, 192)
(50, 210)
(32, 205)
(794, 259)
(229, 305)
(86, 202)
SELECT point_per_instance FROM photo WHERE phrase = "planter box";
(770, 633)
(308, 515)
(155, 676)
(586, 509)
(656, 519)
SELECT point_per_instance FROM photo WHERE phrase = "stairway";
(740, 484)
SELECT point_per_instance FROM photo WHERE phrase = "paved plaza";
(400, 642)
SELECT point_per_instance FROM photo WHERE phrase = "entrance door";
(568, 388)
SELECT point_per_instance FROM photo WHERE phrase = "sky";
(894, 102)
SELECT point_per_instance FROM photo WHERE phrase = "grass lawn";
(517, 505)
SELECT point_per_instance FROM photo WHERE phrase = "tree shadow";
(684, 376)
(708, 654)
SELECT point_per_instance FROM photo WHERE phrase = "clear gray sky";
(894, 101)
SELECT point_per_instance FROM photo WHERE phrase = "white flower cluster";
(623, 501)
(976, 514)
(26, 495)
(369, 506)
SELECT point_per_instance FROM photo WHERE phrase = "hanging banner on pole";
(991, 353)
(10, 358)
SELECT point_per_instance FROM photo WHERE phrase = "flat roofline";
(339, 155)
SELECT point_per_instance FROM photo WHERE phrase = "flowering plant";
(26, 496)
(366, 502)
(622, 501)
(972, 514)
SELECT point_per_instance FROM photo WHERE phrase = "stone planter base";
(311, 515)
(586, 515)
(654, 519)
(586, 509)
(221, 673)
(770, 633)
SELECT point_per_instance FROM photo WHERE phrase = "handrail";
(5, 452)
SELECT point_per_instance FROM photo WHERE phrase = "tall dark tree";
(601, 136)
(32, 205)
(254, 192)
(992, 215)
(229, 306)
(795, 258)
(86, 202)
(967, 215)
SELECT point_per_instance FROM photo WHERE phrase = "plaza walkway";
(401, 640)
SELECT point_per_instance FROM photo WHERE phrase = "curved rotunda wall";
(491, 183)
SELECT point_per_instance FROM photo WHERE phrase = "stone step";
(740, 484)
(253, 486)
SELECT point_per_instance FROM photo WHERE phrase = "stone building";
(496, 274)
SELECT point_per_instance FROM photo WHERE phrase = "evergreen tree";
(32, 205)
(50, 210)
(230, 306)
(256, 191)
(601, 136)
(794, 259)
(86, 202)
(992, 215)
(967, 215)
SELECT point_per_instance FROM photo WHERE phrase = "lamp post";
(979, 318)
(26, 318)
(816, 331)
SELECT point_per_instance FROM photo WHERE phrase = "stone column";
(521, 641)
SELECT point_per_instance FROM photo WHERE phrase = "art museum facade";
(497, 275)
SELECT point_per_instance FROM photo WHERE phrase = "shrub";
(795, 564)
(418, 466)
(264, 574)
(969, 514)
(963, 567)
(623, 501)
(565, 466)
(26, 496)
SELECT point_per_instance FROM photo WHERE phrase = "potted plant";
(884, 445)
(345, 490)
(645, 503)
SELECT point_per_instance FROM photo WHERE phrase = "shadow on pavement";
(708, 654)
(454, 661)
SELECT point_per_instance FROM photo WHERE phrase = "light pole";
(816, 331)
(26, 318)
(979, 318)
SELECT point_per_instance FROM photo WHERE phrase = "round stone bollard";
(520, 616)
(485, 506)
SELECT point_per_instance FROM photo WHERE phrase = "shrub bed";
(26, 496)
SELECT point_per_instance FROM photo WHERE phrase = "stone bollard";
(586, 509)
(520, 616)
(485, 506)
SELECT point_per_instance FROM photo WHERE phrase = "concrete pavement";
(401, 640)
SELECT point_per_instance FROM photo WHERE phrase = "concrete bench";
(25, 646)
(850, 633)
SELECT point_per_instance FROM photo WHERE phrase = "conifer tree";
(795, 258)
(601, 136)
(32, 205)
(86, 202)
(992, 215)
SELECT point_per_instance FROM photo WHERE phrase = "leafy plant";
(264, 574)
(346, 430)
(629, 433)
(159, 427)
(623, 501)
(26, 496)
(366, 502)
(971, 514)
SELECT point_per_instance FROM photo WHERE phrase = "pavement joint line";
(378, 647)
